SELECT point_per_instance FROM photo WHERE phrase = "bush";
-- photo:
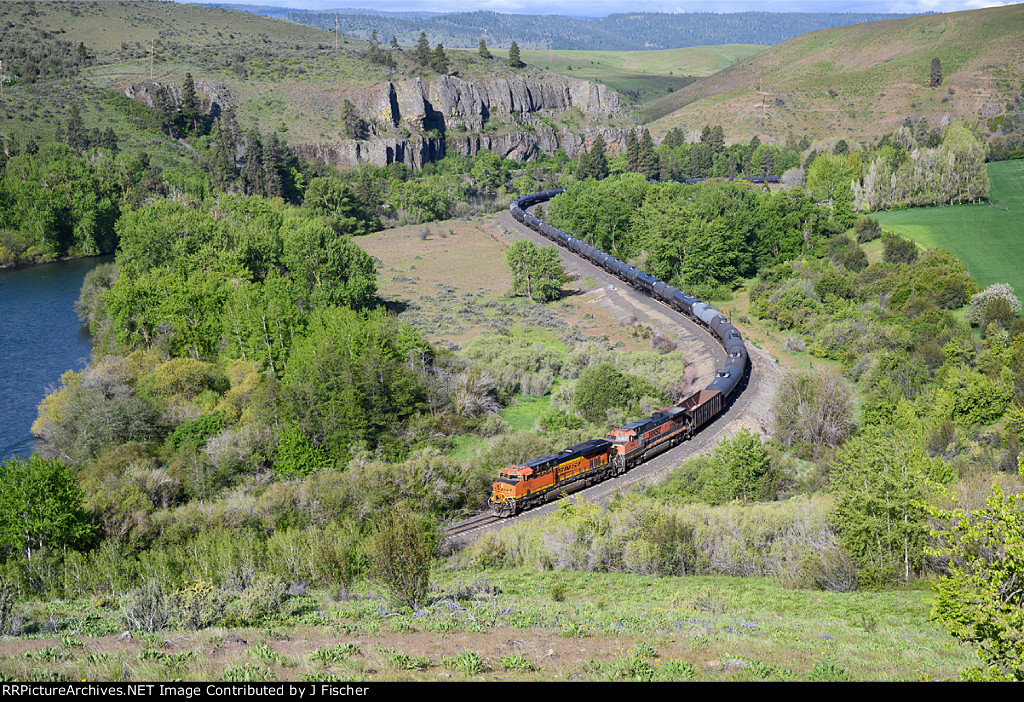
(896, 249)
(261, 600)
(199, 606)
(146, 608)
(400, 555)
(867, 229)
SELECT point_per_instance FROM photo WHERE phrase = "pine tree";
(594, 163)
(513, 56)
(632, 152)
(482, 50)
(422, 52)
(439, 60)
(647, 159)
(75, 134)
(253, 179)
(352, 125)
(273, 168)
(190, 105)
(936, 73)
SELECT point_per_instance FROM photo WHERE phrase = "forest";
(615, 32)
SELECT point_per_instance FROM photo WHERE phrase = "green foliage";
(536, 271)
(599, 388)
(57, 203)
(979, 601)
(351, 377)
(739, 468)
(199, 606)
(879, 484)
(261, 601)
(296, 455)
(40, 509)
(195, 432)
(400, 555)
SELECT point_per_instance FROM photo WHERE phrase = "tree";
(879, 481)
(482, 50)
(352, 125)
(593, 163)
(599, 388)
(421, 53)
(190, 112)
(400, 555)
(647, 159)
(980, 600)
(935, 76)
(439, 59)
(632, 152)
(536, 271)
(40, 508)
(513, 56)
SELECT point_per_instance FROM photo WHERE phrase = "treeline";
(701, 238)
(910, 167)
(617, 32)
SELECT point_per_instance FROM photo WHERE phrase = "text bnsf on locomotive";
(523, 486)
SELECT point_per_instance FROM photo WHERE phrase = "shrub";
(146, 608)
(262, 600)
(996, 303)
(896, 249)
(400, 555)
(199, 606)
(868, 229)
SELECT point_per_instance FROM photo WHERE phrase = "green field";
(987, 237)
(640, 76)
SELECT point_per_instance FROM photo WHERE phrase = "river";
(40, 338)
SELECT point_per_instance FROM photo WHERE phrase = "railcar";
(524, 486)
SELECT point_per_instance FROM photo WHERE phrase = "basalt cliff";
(416, 121)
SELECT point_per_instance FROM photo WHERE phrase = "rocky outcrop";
(350, 153)
(466, 111)
(448, 100)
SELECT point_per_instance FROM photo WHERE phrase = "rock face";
(398, 113)
(447, 101)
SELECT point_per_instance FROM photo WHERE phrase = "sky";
(599, 8)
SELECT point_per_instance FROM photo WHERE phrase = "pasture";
(987, 237)
(639, 76)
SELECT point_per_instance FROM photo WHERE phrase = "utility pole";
(551, 60)
(335, 32)
(152, 52)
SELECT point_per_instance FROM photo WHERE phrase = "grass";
(639, 75)
(600, 627)
(987, 237)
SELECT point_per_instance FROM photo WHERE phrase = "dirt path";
(611, 296)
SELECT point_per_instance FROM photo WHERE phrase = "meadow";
(987, 237)
(639, 76)
(520, 625)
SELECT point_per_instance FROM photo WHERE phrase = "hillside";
(287, 77)
(634, 31)
(861, 81)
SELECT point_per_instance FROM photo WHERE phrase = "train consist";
(524, 486)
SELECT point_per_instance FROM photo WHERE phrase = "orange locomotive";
(528, 484)
(523, 486)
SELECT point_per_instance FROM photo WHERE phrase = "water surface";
(40, 338)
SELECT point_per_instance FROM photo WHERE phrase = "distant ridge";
(635, 31)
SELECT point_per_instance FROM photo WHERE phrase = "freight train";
(526, 485)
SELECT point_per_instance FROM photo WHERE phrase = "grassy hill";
(640, 76)
(987, 237)
(861, 81)
(281, 75)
